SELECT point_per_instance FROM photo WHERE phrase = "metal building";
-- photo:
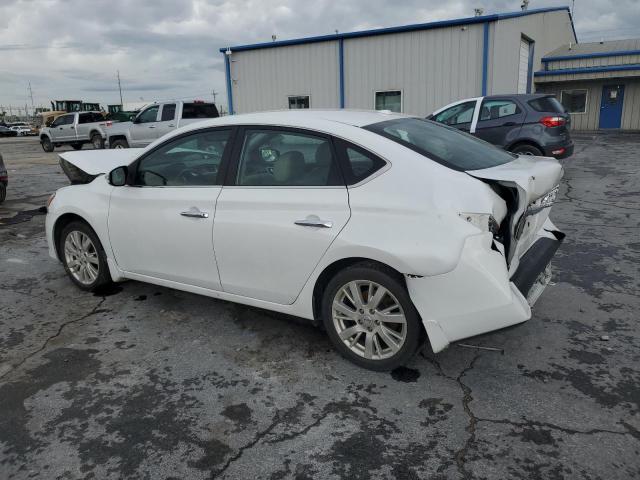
(412, 69)
(598, 83)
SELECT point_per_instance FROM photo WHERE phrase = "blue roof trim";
(616, 53)
(569, 71)
(405, 28)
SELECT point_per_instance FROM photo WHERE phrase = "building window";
(299, 101)
(574, 101)
(389, 100)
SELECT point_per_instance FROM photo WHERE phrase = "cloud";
(169, 48)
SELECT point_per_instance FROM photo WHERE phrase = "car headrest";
(288, 166)
(323, 155)
(495, 112)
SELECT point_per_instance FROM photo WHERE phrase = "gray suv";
(526, 124)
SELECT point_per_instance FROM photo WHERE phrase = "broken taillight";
(553, 121)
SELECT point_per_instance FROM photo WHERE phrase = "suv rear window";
(199, 110)
(445, 145)
(546, 104)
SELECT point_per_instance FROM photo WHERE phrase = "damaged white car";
(386, 229)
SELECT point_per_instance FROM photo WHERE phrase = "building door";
(611, 106)
(523, 65)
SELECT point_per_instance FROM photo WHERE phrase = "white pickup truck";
(156, 120)
(74, 129)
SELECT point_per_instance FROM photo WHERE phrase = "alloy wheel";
(369, 319)
(81, 257)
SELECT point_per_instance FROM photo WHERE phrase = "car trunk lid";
(83, 167)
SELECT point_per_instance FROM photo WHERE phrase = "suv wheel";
(47, 146)
(119, 143)
(76, 146)
(97, 141)
(525, 149)
(370, 318)
(83, 256)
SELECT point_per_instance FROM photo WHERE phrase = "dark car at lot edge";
(7, 132)
(526, 124)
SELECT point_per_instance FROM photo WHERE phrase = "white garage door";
(523, 71)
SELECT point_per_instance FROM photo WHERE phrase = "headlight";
(483, 221)
(548, 199)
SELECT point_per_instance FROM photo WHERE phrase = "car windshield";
(446, 145)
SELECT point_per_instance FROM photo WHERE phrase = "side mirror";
(118, 176)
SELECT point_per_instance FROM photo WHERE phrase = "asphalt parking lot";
(146, 382)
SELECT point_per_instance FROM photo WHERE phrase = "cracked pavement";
(140, 381)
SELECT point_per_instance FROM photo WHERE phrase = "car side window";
(358, 163)
(64, 120)
(56, 123)
(287, 159)
(149, 115)
(456, 115)
(494, 109)
(192, 160)
(85, 118)
(168, 112)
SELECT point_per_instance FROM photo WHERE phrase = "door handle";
(171, 125)
(194, 213)
(509, 124)
(314, 221)
(152, 126)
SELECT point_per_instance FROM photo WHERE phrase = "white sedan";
(388, 229)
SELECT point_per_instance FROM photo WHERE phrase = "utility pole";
(33, 110)
(120, 88)
(214, 93)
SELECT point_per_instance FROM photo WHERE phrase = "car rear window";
(199, 110)
(546, 104)
(445, 145)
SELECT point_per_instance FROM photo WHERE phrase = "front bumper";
(478, 296)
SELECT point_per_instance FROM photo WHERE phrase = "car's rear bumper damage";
(478, 296)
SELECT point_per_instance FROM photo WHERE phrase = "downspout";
(485, 57)
(227, 71)
(341, 70)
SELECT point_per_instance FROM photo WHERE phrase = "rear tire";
(380, 330)
(3, 192)
(47, 146)
(83, 257)
(119, 143)
(526, 149)
(97, 141)
(76, 146)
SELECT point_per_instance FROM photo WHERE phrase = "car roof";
(521, 96)
(304, 118)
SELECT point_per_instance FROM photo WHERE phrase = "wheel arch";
(61, 222)
(113, 138)
(338, 265)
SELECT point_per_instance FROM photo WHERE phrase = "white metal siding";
(547, 30)
(430, 67)
(523, 67)
(263, 79)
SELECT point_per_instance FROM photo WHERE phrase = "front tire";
(47, 145)
(370, 318)
(83, 257)
(525, 149)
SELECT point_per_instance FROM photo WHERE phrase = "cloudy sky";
(168, 49)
